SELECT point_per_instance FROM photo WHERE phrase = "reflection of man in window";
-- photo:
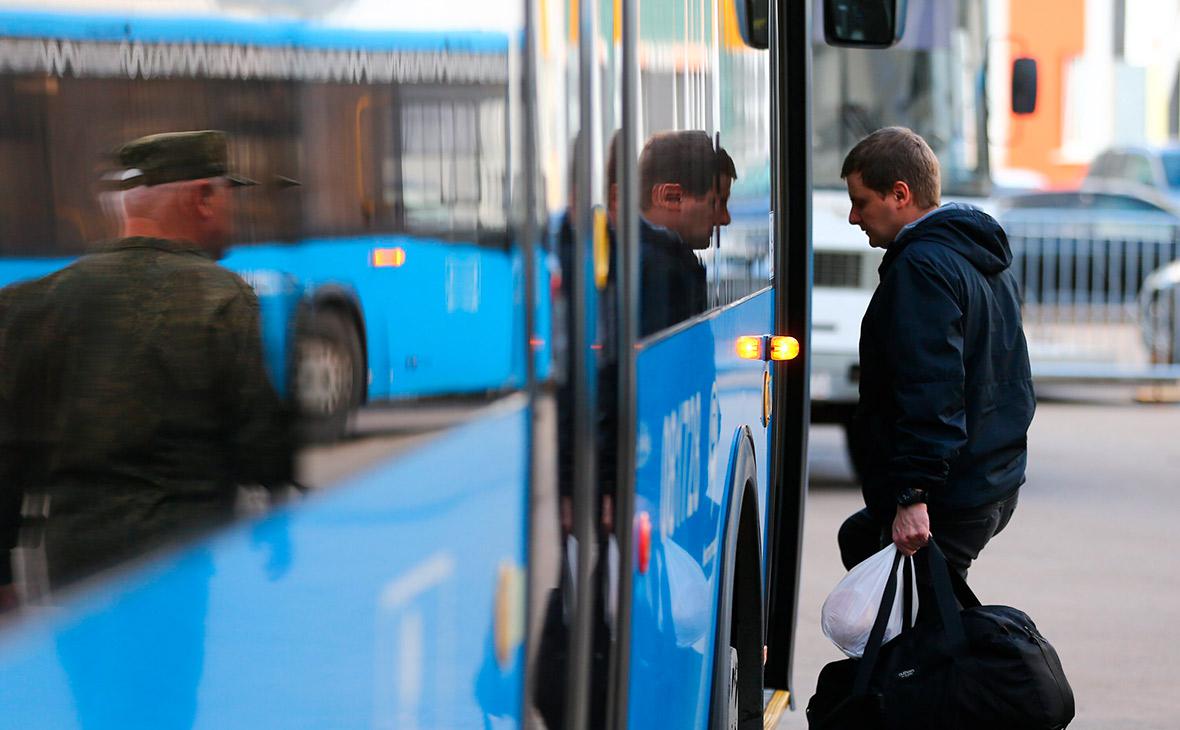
(679, 178)
(133, 391)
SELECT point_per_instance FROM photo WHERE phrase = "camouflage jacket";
(133, 393)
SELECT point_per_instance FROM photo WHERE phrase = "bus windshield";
(931, 82)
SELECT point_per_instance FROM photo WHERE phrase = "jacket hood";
(966, 230)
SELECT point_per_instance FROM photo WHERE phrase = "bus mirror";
(754, 22)
(1024, 86)
(864, 23)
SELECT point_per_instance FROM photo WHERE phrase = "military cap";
(173, 156)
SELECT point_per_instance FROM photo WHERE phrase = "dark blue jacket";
(671, 279)
(946, 395)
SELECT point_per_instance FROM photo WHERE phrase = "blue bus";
(424, 172)
(378, 237)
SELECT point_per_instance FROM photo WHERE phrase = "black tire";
(737, 694)
(328, 375)
(732, 714)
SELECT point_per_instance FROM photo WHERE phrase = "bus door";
(574, 59)
(654, 124)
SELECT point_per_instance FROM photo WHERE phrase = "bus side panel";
(433, 324)
(694, 394)
(392, 601)
(277, 292)
(435, 313)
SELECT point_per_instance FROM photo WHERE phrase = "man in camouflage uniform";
(132, 387)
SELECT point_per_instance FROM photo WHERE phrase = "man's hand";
(911, 528)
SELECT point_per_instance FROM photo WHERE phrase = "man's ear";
(667, 196)
(201, 195)
(901, 195)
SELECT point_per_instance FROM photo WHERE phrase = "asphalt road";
(1090, 555)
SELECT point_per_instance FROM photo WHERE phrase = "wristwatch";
(910, 496)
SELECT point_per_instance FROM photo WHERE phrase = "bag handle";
(944, 598)
(864, 670)
(963, 591)
(907, 588)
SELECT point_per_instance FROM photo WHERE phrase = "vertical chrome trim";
(584, 375)
(531, 227)
(791, 197)
(627, 280)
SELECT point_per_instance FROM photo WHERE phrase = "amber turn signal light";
(783, 348)
(388, 257)
(749, 348)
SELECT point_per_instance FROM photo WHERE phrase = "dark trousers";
(961, 534)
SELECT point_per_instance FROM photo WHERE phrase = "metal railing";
(1100, 292)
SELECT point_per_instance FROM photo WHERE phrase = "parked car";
(1093, 246)
(1156, 168)
(1159, 314)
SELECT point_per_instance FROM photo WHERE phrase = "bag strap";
(944, 597)
(864, 670)
(907, 586)
(963, 591)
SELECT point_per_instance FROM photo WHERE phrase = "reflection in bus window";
(678, 209)
(928, 83)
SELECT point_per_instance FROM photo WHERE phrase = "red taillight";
(643, 541)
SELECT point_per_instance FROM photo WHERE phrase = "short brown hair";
(685, 157)
(896, 153)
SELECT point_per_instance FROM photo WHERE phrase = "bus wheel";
(329, 375)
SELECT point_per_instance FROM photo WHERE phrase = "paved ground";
(1091, 555)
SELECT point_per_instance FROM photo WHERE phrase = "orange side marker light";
(749, 348)
(783, 348)
(388, 257)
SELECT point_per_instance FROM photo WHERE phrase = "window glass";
(1138, 169)
(1101, 166)
(50, 175)
(704, 179)
(742, 261)
(928, 82)
(451, 175)
(1171, 162)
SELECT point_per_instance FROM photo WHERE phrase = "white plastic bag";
(851, 608)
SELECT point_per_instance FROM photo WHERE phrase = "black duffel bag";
(981, 668)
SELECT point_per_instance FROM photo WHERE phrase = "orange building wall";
(1052, 32)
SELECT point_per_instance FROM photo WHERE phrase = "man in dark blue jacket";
(946, 395)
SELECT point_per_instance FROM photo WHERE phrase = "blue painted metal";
(369, 606)
(148, 28)
(448, 320)
(694, 395)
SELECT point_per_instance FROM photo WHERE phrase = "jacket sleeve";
(923, 348)
(258, 424)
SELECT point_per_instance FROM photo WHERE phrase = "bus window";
(742, 243)
(25, 220)
(452, 164)
(56, 211)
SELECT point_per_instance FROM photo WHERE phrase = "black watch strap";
(911, 496)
